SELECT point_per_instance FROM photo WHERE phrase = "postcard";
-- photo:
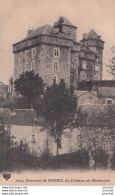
(57, 93)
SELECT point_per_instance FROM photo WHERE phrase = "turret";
(66, 27)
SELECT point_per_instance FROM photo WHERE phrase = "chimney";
(30, 31)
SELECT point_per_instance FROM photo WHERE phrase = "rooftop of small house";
(106, 92)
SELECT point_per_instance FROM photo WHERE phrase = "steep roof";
(64, 21)
(84, 47)
(44, 30)
(91, 35)
(106, 92)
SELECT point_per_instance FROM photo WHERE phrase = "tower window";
(33, 139)
(109, 101)
(25, 67)
(20, 69)
(20, 56)
(56, 52)
(96, 68)
(33, 65)
(72, 79)
(97, 59)
(82, 75)
(97, 51)
(26, 56)
(54, 80)
(96, 78)
(33, 52)
(84, 65)
(56, 66)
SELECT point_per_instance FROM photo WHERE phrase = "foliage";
(100, 157)
(111, 64)
(59, 107)
(97, 133)
(12, 156)
(29, 85)
(112, 161)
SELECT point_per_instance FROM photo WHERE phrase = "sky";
(17, 16)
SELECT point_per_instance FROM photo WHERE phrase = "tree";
(13, 155)
(59, 107)
(111, 64)
(6, 145)
(29, 85)
(97, 133)
(11, 85)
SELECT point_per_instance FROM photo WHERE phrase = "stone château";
(55, 54)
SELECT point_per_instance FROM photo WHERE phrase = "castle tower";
(65, 27)
(96, 44)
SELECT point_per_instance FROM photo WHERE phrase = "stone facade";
(55, 54)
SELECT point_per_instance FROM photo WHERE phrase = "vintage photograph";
(57, 90)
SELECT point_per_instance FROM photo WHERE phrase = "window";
(97, 59)
(33, 139)
(109, 101)
(82, 75)
(33, 52)
(26, 56)
(84, 65)
(56, 66)
(72, 79)
(26, 53)
(96, 78)
(96, 68)
(56, 52)
(33, 65)
(97, 51)
(25, 67)
(54, 80)
(20, 56)
(20, 69)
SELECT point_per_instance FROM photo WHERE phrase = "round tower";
(96, 44)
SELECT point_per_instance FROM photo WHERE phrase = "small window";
(20, 69)
(33, 65)
(84, 65)
(96, 78)
(56, 52)
(33, 52)
(25, 67)
(33, 139)
(83, 77)
(26, 53)
(54, 80)
(20, 56)
(56, 66)
(97, 59)
(96, 68)
(26, 56)
(72, 79)
(109, 101)
(97, 51)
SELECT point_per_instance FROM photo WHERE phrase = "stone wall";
(69, 31)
